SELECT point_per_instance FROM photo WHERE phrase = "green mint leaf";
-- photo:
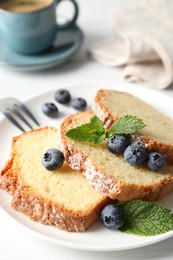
(93, 132)
(127, 124)
(146, 218)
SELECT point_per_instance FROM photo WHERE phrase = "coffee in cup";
(23, 6)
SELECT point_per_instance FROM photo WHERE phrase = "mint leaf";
(90, 132)
(127, 124)
(146, 218)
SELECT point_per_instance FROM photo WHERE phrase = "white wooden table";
(16, 243)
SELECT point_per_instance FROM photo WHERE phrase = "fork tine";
(17, 113)
(28, 112)
(13, 120)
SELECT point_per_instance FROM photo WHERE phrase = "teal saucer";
(67, 42)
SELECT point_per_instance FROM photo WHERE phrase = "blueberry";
(118, 143)
(52, 159)
(156, 161)
(112, 217)
(50, 110)
(63, 96)
(135, 154)
(79, 104)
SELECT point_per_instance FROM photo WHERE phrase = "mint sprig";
(95, 132)
(146, 218)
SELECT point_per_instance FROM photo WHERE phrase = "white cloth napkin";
(143, 42)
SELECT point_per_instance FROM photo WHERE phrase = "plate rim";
(86, 248)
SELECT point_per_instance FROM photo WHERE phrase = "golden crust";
(7, 179)
(38, 209)
(104, 183)
(109, 118)
(103, 112)
(27, 201)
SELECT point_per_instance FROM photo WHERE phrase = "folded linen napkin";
(143, 42)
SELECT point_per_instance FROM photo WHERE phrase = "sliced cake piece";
(63, 198)
(109, 173)
(109, 105)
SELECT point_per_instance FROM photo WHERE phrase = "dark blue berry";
(112, 217)
(52, 159)
(63, 96)
(156, 161)
(135, 154)
(79, 104)
(117, 143)
(50, 110)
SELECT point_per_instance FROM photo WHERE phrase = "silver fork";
(15, 111)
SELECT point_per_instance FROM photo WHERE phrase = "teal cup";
(32, 31)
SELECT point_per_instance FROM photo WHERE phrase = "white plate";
(97, 238)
